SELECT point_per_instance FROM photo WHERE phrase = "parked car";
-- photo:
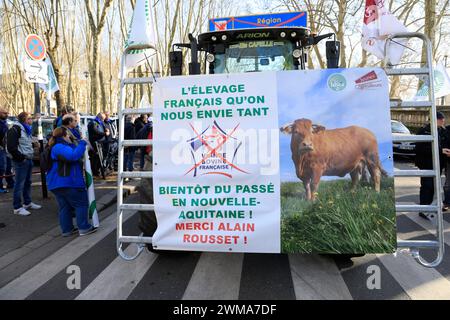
(406, 149)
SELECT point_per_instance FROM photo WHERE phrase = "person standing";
(71, 124)
(139, 124)
(129, 152)
(20, 148)
(65, 180)
(97, 133)
(424, 160)
(5, 161)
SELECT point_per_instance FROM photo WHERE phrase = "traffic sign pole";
(37, 110)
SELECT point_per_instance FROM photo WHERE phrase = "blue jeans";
(5, 169)
(129, 160)
(73, 200)
(22, 186)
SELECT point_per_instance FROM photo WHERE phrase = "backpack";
(45, 159)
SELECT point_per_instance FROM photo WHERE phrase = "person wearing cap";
(424, 159)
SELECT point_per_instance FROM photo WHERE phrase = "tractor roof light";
(297, 53)
(210, 58)
(214, 38)
(293, 34)
(224, 37)
(283, 34)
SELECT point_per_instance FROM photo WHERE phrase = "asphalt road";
(198, 276)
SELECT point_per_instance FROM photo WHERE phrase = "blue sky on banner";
(330, 109)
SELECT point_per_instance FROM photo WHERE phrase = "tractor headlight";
(283, 34)
(224, 37)
(297, 53)
(293, 34)
(214, 38)
(210, 58)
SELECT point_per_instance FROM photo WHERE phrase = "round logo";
(35, 47)
(337, 82)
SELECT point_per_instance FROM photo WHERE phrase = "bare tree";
(96, 25)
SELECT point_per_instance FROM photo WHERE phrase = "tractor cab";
(252, 50)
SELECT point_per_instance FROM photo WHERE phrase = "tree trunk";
(94, 74)
(104, 106)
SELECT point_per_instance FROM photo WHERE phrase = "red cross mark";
(213, 151)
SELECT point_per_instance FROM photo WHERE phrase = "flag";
(142, 32)
(52, 82)
(441, 85)
(378, 25)
(92, 209)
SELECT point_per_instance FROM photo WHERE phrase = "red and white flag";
(378, 25)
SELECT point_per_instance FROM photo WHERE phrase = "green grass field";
(339, 221)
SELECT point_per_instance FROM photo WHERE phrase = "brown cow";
(318, 152)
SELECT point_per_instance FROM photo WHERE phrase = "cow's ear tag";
(287, 128)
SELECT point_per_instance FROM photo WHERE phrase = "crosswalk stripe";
(419, 282)
(90, 263)
(317, 278)
(34, 278)
(217, 276)
(427, 225)
(119, 279)
(356, 278)
(168, 277)
(266, 277)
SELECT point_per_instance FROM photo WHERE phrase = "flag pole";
(93, 214)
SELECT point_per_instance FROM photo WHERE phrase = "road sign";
(286, 19)
(38, 67)
(35, 47)
(36, 78)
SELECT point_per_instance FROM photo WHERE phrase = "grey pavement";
(27, 240)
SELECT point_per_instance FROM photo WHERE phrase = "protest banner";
(271, 162)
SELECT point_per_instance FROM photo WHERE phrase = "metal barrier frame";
(140, 241)
(414, 246)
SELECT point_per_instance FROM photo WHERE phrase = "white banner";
(441, 85)
(142, 32)
(378, 24)
(227, 180)
(216, 165)
(52, 86)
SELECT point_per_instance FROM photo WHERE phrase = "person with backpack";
(65, 180)
(20, 149)
(97, 133)
(5, 161)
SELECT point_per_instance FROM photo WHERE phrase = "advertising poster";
(292, 162)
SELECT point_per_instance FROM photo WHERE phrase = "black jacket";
(424, 159)
(138, 124)
(130, 134)
(96, 132)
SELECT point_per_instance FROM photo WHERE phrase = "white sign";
(227, 180)
(37, 67)
(36, 78)
(216, 164)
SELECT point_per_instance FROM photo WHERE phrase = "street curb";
(105, 202)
